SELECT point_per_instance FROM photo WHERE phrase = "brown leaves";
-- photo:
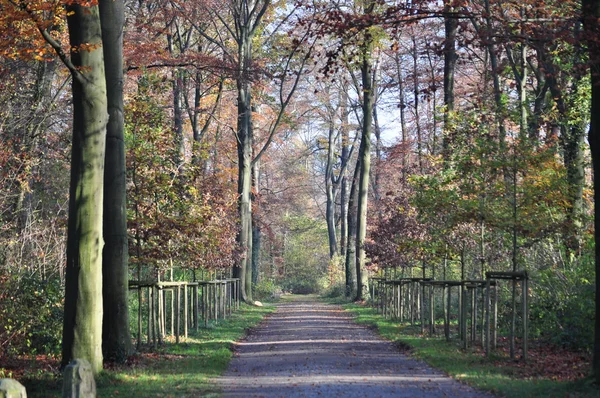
(548, 362)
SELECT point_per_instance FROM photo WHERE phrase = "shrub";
(31, 315)
(266, 289)
(562, 309)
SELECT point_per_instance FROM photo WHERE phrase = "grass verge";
(494, 374)
(174, 370)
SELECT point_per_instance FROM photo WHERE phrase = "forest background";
(254, 133)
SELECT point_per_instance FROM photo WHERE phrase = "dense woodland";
(301, 146)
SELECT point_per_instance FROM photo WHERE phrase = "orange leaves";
(89, 47)
(20, 23)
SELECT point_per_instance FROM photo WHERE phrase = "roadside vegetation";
(184, 369)
(550, 371)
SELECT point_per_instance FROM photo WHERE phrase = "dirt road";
(311, 349)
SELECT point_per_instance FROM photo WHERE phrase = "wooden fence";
(474, 304)
(173, 308)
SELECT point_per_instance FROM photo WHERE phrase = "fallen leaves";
(547, 362)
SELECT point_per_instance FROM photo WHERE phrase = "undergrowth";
(498, 374)
(177, 370)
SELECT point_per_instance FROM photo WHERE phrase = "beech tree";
(116, 336)
(591, 12)
(364, 153)
(82, 328)
(82, 333)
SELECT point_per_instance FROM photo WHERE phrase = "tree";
(116, 337)
(451, 26)
(591, 12)
(364, 153)
(82, 330)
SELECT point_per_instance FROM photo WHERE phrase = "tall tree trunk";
(378, 157)
(343, 216)
(572, 139)
(364, 155)
(591, 11)
(256, 233)
(116, 337)
(451, 26)
(41, 100)
(244, 146)
(415, 56)
(575, 163)
(350, 262)
(402, 105)
(493, 54)
(82, 329)
(178, 116)
(330, 192)
(343, 180)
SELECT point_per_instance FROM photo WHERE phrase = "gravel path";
(311, 349)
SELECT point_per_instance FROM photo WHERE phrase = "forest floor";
(307, 348)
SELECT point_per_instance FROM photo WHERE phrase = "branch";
(55, 44)
(284, 103)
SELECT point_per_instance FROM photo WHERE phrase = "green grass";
(469, 367)
(183, 370)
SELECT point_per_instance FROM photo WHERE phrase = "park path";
(311, 349)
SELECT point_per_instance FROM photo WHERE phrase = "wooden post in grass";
(222, 298)
(185, 310)
(149, 325)
(400, 301)
(473, 315)
(214, 301)
(139, 334)
(177, 314)
(160, 314)
(431, 311)
(482, 317)
(495, 320)
(447, 311)
(229, 297)
(513, 277)
(155, 330)
(525, 315)
(463, 320)
(173, 307)
(205, 303)
(487, 316)
(385, 303)
(196, 321)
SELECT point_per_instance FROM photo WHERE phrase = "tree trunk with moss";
(82, 332)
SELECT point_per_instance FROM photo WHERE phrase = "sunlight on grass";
(173, 370)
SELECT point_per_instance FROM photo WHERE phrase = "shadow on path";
(311, 349)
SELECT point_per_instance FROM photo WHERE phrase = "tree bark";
(591, 11)
(244, 146)
(343, 180)
(415, 56)
(451, 26)
(256, 233)
(330, 191)
(82, 328)
(365, 161)
(350, 262)
(116, 337)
